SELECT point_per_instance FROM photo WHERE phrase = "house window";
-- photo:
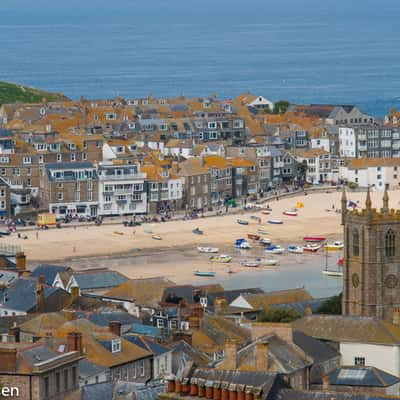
(390, 243)
(27, 160)
(16, 171)
(116, 345)
(58, 382)
(73, 156)
(134, 371)
(84, 156)
(356, 243)
(60, 196)
(46, 387)
(141, 368)
(41, 159)
(65, 379)
(160, 323)
(359, 361)
(59, 157)
(84, 143)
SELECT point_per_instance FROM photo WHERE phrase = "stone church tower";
(371, 271)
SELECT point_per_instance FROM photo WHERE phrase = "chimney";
(308, 310)
(219, 305)
(115, 327)
(74, 292)
(20, 261)
(40, 301)
(8, 360)
(325, 382)
(42, 279)
(262, 355)
(74, 342)
(230, 354)
(396, 316)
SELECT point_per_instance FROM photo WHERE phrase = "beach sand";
(133, 252)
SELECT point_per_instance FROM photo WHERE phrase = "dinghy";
(275, 221)
(222, 258)
(334, 246)
(242, 222)
(207, 274)
(274, 249)
(295, 249)
(312, 247)
(208, 249)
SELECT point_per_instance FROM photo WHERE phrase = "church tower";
(371, 271)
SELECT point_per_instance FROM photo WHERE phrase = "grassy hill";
(12, 93)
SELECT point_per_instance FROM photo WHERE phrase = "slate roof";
(7, 276)
(361, 376)
(230, 295)
(99, 279)
(43, 324)
(339, 328)
(99, 391)
(145, 343)
(49, 271)
(147, 330)
(8, 322)
(289, 394)
(184, 347)
(103, 318)
(301, 306)
(67, 165)
(21, 295)
(88, 369)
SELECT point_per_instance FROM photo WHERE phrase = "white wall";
(383, 357)
(347, 142)
(321, 143)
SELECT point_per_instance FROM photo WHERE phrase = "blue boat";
(242, 244)
(209, 274)
(275, 221)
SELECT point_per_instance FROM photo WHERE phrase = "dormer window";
(131, 125)
(111, 116)
(163, 127)
(212, 125)
(116, 346)
(72, 146)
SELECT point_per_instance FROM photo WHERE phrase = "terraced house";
(70, 189)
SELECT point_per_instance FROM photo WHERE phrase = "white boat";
(242, 244)
(267, 261)
(262, 231)
(290, 213)
(274, 249)
(265, 241)
(334, 246)
(222, 258)
(250, 263)
(295, 249)
(156, 237)
(275, 221)
(208, 249)
(312, 247)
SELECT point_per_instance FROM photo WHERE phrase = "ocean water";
(302, 50)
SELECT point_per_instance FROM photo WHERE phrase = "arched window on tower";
(390, 243)
(356, 243)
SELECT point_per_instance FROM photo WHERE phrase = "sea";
(304, 51)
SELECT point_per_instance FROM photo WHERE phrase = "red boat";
(312, 247)
(314, 239)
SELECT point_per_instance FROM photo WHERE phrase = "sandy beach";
(135, 253)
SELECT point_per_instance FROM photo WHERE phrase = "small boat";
(265, 212)
(274, 249)
(312, 247)
(197, 231)
(267, 261)
(251, 236)
(222, 258)
(254, 217)
(242, 244)
(265, 241)
(208, 249)
(275, 221)
(314, 239)
(334, 246)
(290, 213)
(295, 249)
(5, 233)
(242, 222)
(250, 263)
(118, 233)
(262, 231)
(156, 237)
(207, 274)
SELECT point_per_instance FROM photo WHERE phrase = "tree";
(279, 315)
(332, 306)
(302, 168)
(280, 107)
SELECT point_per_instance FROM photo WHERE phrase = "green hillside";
(12, 93)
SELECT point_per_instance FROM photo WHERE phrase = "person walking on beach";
(37, 235)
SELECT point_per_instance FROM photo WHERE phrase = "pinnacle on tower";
(386, 200)
(368, 202)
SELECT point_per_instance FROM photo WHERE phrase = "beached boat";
(295, 249)
(206, 274)
(274, 249)
(252, 236)
(275, 221)
(334, 246)
(208, 249)
(312, 247)
(267, 261)
(118, 233)
(222, 258)
(265, 212)
(314, 239)
(242, 222)
(242, 244)
(250, 263)
(290, 213)
(265, 241)
(197, 231)
(262, 231)
(156, 237)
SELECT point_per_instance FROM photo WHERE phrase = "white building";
(121, 190)
(347, 142)
(319, 165)
(260, 102)
(373, 172)
(321, 143)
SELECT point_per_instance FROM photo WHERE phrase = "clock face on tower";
(355, 280)
(391, 281)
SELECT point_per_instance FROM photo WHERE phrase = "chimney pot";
(74, 342)
(115, 327)
(8, 359)
(308, 310)
(231, 354)
(20, 261)
(262, 354)
(325, 382)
